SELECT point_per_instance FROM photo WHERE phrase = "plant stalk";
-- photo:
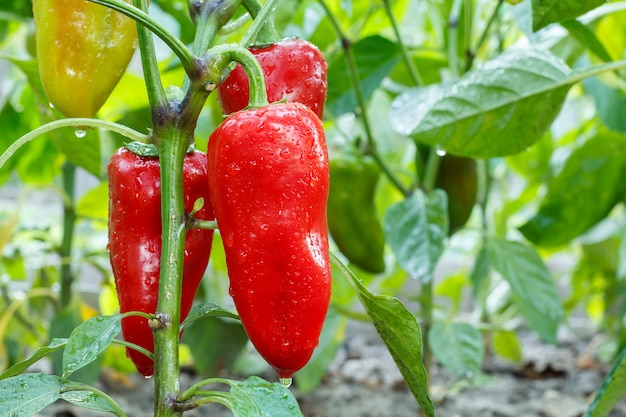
(172, 147)
(361, 109)
(69, 221)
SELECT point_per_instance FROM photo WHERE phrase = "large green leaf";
(458, 346)
(612, 390)
(590, 184)
(534, 291)
(27, 394)
(375, 57)
(416, 229)
(552, 11)
(499, 109)
(401, 334)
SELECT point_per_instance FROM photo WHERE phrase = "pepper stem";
(221, 56)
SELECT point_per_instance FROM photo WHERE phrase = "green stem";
(75, 123)
(174, 134)
(453, 38)
(483, 37)
(209, 16)
(483, 199)
(149, 62)
(234, 25)
(203, 224)
(219, 58)
(187, 59)
(413, 71)
(134, 347)
(431, 170)
(426, 299)
(262, 29)
(172, 145)
(69, 221)
(361, 109)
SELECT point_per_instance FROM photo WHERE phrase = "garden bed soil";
(363, 381)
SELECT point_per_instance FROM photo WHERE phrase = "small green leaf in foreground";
(28, 394)
(88, 340)
(401, 334)
(256, 397)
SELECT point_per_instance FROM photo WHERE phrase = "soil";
(363, 381)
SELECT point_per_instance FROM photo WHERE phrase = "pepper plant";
(433, 110)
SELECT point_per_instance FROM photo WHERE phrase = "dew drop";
(230, 240)
(80, 133)
(285, 382)
(440, 151)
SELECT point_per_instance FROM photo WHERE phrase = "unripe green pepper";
(352, 218)
(83, 49)
(458, 176)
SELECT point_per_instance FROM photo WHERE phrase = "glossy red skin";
(135, 240)
(269, 181)
(294, 69)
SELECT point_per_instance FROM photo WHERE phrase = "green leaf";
(593, 173)
(553, 11)
(499, 109)
(91, 399)
(534, 291)
(612, 390)
(416, 229)
(88, 340)
(63, 323)
(458, 346)
(401, 334)
(199, 311)
(480, 275)
(587, 38)
(375, 57)
(27, 394)
(506, 344)
(610, 103)
(37, 354)
(94, 204)
(210, 357)
(256, 397)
